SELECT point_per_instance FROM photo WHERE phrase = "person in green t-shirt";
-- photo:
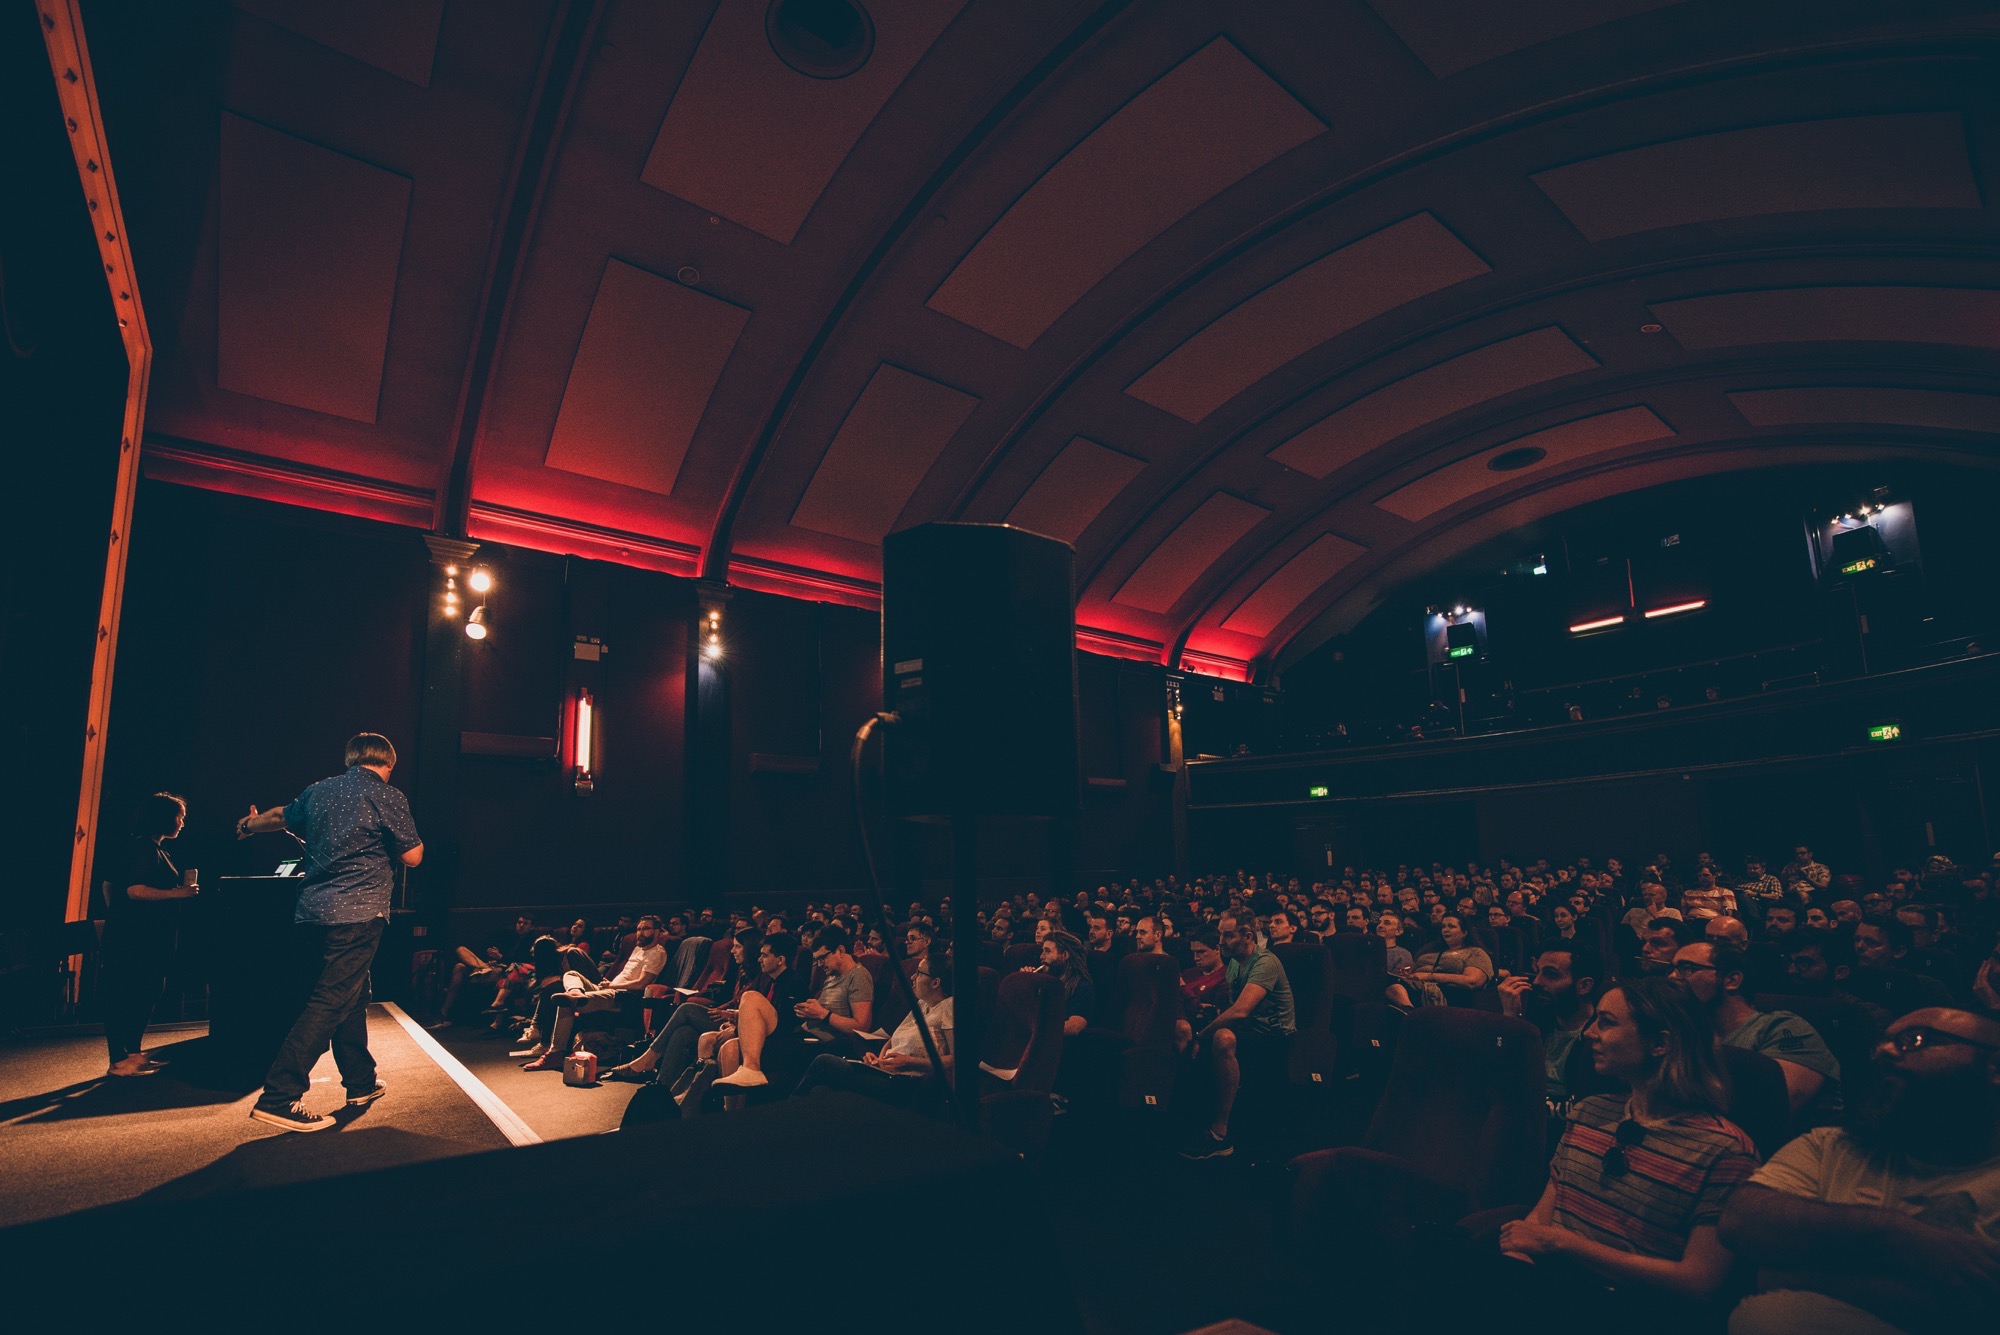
(1258, 1021)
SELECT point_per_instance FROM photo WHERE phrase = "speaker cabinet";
(979, 661)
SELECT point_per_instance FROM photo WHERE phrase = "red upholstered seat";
(1758, 1101)
(1459, 1128)
(1359, 965)
(1315, 1050)
(1021, 955)
(1148, 1063)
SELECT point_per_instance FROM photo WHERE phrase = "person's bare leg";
(731, 1056)
(564, 1026)
(1228, 1077)
(754, 1022)
(1183, 1035)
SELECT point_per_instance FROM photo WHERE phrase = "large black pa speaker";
(979, 662)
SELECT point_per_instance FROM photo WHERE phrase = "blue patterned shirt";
(355, 826)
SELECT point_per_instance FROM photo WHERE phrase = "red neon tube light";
(1694, 606)
(1601, 624)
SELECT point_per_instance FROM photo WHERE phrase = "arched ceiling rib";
(1245, 301)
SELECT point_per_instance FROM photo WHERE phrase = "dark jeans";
(918, 1094)
(336, 1011)
(134, 974)
(677, 1042)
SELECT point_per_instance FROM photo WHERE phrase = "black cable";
(861, 736)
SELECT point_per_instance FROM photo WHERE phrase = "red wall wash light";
(1601, 623)
(1693, 606)
(584, 746)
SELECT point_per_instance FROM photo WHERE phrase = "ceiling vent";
(821, 39)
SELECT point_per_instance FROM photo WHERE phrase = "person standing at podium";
(356, 828)
(139, 929)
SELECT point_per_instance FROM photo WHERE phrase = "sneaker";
(529, 1035)
(291, 1117)
(1209, 1146)
(742, 1078)
(355, 1100)
(539, 1050)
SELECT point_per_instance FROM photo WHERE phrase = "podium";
(259, 970)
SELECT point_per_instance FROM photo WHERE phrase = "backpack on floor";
(650, 1103)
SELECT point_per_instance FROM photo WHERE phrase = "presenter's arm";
(261, 822)
(413, 857)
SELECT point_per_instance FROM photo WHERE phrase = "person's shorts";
(1256, 1042)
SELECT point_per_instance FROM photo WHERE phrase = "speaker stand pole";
(965, 943)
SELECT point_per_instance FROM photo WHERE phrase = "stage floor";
(70, 1139)
(540, 1098)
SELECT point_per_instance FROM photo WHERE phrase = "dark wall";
(62, 397)
(259, 637)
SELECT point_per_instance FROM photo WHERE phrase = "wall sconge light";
(711, 634)
(475, 626)
(1174, 706)
(480, 581)
(586, 750)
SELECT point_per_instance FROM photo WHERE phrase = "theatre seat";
(1758, 1101)
(1021, 955)
(1016, 1107)
(1459, 1128)
(890, 1008)
(718, 964)
(1148, 1062)
(1358, 965)
(689, 957)
(1315, 1050)
(1851, 1031)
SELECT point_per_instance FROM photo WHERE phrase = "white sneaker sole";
(287, 1124)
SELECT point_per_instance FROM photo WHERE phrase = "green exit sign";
(1462, 651)
(1317, 790)
(1885, 732)
(1857, 567)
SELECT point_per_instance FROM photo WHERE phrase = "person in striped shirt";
(1641, 1178)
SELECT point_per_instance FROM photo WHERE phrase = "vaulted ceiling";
(1265, 306)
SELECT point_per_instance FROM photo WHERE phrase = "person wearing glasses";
(1893, 1221)
(1713, 974)
(901, 1074)
(1640, 1179)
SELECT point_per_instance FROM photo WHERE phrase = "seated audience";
(1641, 1179)
(672, 1050)
(1456, 972)
(843, 1008)
(581, 997)
(901, 1073)
(1560, 1000)
(1255, 1025)
(1891, 1223)
(1713, 976)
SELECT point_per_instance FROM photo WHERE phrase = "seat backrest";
(689, 956)
(1306, 970)
(718, 964)
(1466, 1103)
(1020, 955)
(1758, 1101)
(1850, 1030)
(890, 1008)
(1360, 965)
(1050, 1008)
(1151, 984)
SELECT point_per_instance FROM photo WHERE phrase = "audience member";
(1713, 974)
(1254, 1027)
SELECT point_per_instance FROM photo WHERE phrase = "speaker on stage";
(979, 662)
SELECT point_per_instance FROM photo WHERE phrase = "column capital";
(449, 551)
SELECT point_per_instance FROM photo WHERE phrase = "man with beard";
(1892, 1223)
(1559, 1001)
(1880, 976)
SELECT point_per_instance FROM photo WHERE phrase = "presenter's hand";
(243, 830)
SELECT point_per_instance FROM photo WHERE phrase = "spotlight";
(480, 581)
(475, 628)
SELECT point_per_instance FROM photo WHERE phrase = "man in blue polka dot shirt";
(356, 828)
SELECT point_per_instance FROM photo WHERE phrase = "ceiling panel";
(1453, 35)
(651, 354)
(1207, 123)
(398, 36)
(1333, 294)
(1436, 392)
(893, 434)
(309, 242)
(1291, 585)
(1967, 316)
(1840, 405)
(755, 141)
(1557, 445)
(1855, 162)
(1186, 554)
(1074, 489)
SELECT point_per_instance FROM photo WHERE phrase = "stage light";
(475, 629)
(1602, 623)
(1694, 606)
(480, 581)
(585, 712)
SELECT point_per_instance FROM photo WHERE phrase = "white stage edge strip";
(511, 1126)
